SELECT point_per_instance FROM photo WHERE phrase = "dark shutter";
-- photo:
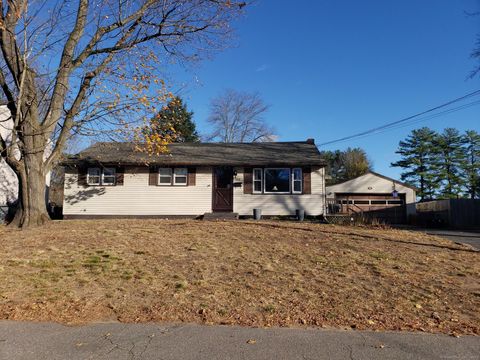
(119, 171)
(153, 176)
(191, 176)
(307, 180)
(82, 175)
(247, 180)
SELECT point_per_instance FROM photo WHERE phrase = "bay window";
(277, 181)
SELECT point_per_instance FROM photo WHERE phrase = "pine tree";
(450, 156)
(418, 163)
(174, 120)
(471, 165)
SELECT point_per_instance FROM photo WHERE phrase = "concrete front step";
(220, 216)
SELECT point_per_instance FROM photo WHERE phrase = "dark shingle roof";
(233, 154)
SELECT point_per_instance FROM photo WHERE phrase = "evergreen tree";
(417, 160)
(174, 121)
(471, 165)
(450, 157)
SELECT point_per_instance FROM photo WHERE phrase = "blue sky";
(334, 68)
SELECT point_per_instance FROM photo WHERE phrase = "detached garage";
(374, 195)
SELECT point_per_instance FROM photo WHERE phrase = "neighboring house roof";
(379, 175)
(233, 154)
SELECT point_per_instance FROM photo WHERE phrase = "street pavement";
(116, 341)
(464, 237)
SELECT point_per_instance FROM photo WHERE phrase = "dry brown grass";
(243, 272)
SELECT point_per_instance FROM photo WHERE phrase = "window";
(395, 202)
(378, 202)
(362, 202)
(164, 176)
(97, 176)
(93, 176)
(297, 181)
(108, 176)
(277, 181)
(180, 176)
(257, 181)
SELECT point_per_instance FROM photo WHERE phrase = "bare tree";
(239, 117)
(88, 66)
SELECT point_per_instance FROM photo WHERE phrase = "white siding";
(8, 179)
(136, 197)
(372, 184)
(280, 204)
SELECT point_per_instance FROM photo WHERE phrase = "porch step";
(220, 216)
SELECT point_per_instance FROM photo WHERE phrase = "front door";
(222, 189)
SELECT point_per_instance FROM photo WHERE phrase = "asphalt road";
(463, 237)
(42, 341)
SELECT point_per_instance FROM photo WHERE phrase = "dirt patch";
(241, 272)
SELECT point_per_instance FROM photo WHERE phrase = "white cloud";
(262, 67)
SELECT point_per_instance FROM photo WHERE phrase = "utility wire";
(424, 118)
(408, 120)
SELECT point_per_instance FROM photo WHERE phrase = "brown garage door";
(383, 207)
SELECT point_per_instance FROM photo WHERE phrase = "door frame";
(214, 188)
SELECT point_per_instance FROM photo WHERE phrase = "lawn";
(240, 272)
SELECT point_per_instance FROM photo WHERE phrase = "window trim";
(298, 180)
(176, 175)
(256, 180)
(99, 176)
(289, 181)
(160, 176)
(173, 176)
(114, 176)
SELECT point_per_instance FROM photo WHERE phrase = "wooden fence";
(455, 213)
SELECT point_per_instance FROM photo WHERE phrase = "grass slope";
(240, 272)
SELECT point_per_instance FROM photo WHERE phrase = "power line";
(408, 120)
(425, 118)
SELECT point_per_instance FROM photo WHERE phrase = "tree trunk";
(32, 208)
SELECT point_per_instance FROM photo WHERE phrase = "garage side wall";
(282, 204)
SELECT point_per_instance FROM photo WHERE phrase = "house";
(192, 179)
(374, 194)
(8, 179)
